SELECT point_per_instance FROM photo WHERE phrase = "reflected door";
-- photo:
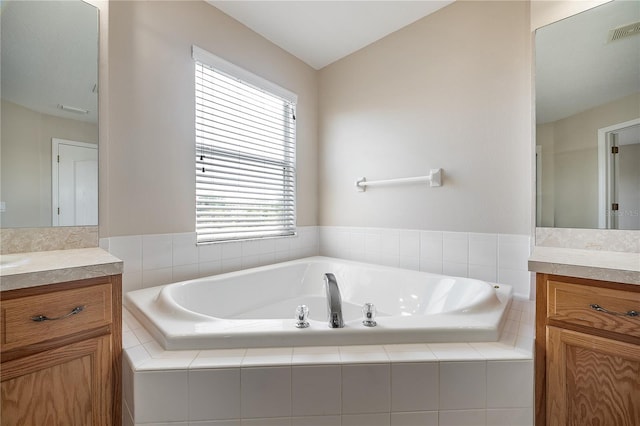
(75, 183)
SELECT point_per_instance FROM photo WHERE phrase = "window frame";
(249, 79)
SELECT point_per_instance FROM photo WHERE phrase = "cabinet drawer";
(578, 304)
(67, 312)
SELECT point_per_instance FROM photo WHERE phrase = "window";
(245, 154)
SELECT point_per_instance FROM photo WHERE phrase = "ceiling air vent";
(626, 31)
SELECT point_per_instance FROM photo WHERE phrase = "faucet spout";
(334, 301)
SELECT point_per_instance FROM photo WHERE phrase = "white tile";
(157, 251)
(129, 250)
(143, 335)
(282, 421)
(424, 418)
(214, 394)
(316, 421)
(265, 392)
(316, 390)
(357, 244)
(209, 252)
(510, 417)
(520, 280)
(513, 252)
(455, 351)
(463, 418)
(409, 262)
(160, 396)
(129, 339)
(373, 241)
(282, 244)
(127, 386)
(431, 245)
(455, 247)
(483, 249)
(207, 269)
(363, 354)
(218, 358)
(409, 244)
(267, 356)
(463, 385)
(366, 388)
(235, 422)
(484, 273)
(251, 248)
(131, 281)
(497, 351)
(432, 266)
(455, 269)
(409, 353)
(185, 250)
(231, 265)
(390, 243)
(185, 272)
(136, 355)
(316, 355)
(509, 384)
(414, 386)
(155, 277)
(366, 419)
(231, 250)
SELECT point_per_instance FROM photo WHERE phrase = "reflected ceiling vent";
(624, 32)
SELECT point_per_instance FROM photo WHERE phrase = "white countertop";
(613, 266)
(21, 270)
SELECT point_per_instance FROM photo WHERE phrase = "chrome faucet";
(334, 301)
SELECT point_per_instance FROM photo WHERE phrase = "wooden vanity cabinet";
(61, 353)
(587, 352)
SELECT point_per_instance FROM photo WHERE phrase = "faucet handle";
(302, 313)
(369, 312)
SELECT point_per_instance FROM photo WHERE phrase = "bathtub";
(256, 307)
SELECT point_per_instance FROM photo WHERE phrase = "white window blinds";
(245, 158)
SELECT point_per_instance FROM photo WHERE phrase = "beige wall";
(26, 162)
(452, 90)
(573, 161)
(150, 170)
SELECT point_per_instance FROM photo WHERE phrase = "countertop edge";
(61, 266)
(621, 267)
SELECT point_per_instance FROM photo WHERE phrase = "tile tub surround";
(418, 384)
(151, 260)
(498, 258)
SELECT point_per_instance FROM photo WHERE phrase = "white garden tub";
(256, 307)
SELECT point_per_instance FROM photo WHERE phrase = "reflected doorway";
(619, 170)
(74, 177)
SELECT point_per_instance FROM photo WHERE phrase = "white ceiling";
(321, 32)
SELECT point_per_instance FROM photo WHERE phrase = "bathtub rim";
(179, 334)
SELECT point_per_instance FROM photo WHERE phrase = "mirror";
(587, 79)
(49, 125)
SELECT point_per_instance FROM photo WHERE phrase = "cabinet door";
(591, 380)
(70, 385)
